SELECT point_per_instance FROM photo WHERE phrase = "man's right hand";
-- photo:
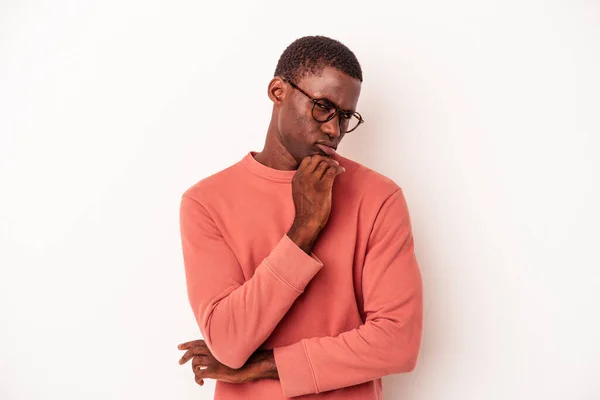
(312, 193)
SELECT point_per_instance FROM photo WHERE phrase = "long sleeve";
(389, 340)
(236, 316)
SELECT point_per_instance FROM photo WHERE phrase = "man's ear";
(276, 90)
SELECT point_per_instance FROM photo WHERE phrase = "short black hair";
(310, 54)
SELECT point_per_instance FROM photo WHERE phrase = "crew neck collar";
(265, 172)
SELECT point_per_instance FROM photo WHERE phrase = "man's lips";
(330, 151)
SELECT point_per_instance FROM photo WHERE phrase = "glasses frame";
(338, 111)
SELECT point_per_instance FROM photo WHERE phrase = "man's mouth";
(330, 151)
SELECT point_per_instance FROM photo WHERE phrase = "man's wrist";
(304, 235)
(262, 366)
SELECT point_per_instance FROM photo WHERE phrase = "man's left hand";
(261, 365)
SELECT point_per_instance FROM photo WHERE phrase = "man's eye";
(324, 106)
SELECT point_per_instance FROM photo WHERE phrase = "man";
(299, 262)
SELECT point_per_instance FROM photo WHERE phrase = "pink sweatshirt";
(338, 319)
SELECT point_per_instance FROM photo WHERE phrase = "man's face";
(299, 131)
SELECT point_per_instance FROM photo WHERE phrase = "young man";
(300, 263)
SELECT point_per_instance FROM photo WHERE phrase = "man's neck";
(275, 155)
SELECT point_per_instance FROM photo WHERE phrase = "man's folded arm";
(236, 316)
(389, 340)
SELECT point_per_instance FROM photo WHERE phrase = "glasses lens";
(323, 111)
(348, 122)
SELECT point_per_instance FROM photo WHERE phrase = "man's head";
(323, 69)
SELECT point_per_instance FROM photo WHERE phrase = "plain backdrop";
(485, 112)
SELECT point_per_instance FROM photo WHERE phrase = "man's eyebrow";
(338, 107)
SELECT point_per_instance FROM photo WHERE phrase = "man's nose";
(332, 127)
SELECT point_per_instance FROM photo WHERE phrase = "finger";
(203, 373)
(331, 161)
(304, 163)
(316, 161)
(309, 163)
(332, 172)
(335, 165)
(322, 168)
(201, 370)
(188, 355)
(313, 163)
(199, 380)
(189, 345)
(198, 361)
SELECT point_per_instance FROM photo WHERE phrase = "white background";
(485, 112)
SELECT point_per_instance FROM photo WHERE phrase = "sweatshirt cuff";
(292, 265)
(295, 371)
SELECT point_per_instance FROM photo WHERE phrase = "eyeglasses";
(324, 110)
